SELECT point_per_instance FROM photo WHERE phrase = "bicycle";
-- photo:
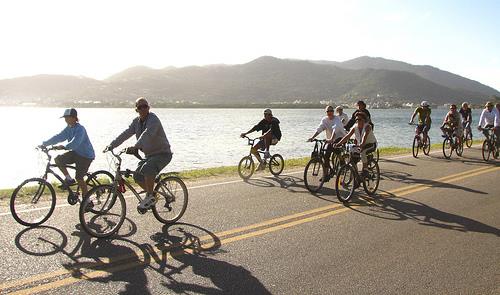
(467, 137)
(315, 172)
(489, 147)
(34, 200)
(418, 143)
(246, 166)
(348, 177)
(450, 143)
(109, 214)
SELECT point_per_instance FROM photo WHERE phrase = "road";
(433, 228)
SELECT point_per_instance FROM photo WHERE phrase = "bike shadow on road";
(90, 256)
(391, 207)
(295, 184)
(392, 161)
(183, 249)
(408, 179)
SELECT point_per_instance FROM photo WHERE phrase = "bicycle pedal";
(141, 210)
(72, 199)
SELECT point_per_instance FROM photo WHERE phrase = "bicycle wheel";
(486, 151)
(276, 164)
(246, 167)
(172, 195)
(427, 146)
(416, 146)
(494, 150)
(371, 181)
(103, 211)
(468, 139)
(460, 147)
(377, 156)
(32, 202)
(314, 175)
(345, 183)
(447, 148)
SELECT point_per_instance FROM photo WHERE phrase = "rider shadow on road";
(391, 207)
(89, 257)
(189, 251)
(396, 162)
(407, 179)
(284, 181)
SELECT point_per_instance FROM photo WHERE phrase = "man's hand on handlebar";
(242, 135)
(131, 150)
(310, 139)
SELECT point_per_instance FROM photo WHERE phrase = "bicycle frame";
(120, 180)
(50, 165)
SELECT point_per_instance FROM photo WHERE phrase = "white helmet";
(268, 112)
(424, 103)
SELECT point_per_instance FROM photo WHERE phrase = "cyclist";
(452, 119)
(361, 109)
(364, 137)
(81, 153)
(496, 127)
(153, 142)
(424, 119)
(487, 118)
(271, 135)
(334, 129)
(466, 114)
(343, 116)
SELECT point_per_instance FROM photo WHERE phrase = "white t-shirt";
(487, 118)
(344, 118)
(360, 133)
(333, 126)
(497, 117)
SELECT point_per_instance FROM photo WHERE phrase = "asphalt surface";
(433, 228)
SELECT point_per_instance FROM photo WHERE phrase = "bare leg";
(254, 151)
(149, 182)
(267, 141)
(61, 167)
(83, 186)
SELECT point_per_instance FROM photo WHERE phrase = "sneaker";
(261, 166)
(267, 155)
(365, 173)
(67, 183)
(148, 202)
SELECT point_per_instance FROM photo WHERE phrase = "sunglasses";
(142, 107)
(329, 111)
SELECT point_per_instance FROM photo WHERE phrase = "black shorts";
(82, 164)
(423, 128)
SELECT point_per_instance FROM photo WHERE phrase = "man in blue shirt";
(81, 152)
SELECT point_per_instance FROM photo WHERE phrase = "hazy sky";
(99, 38)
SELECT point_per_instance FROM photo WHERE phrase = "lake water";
(200, 138)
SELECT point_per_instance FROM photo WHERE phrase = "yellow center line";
(140, 255)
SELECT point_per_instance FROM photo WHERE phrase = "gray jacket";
(151, 138)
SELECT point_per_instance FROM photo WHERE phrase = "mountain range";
(264, 80)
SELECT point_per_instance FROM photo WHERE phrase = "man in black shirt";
(361, 109)
(271, 134)
(466, 114)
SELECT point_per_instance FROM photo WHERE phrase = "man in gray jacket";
(153, 142)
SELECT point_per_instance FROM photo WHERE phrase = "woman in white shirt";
(364, 138)
(334, 129)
